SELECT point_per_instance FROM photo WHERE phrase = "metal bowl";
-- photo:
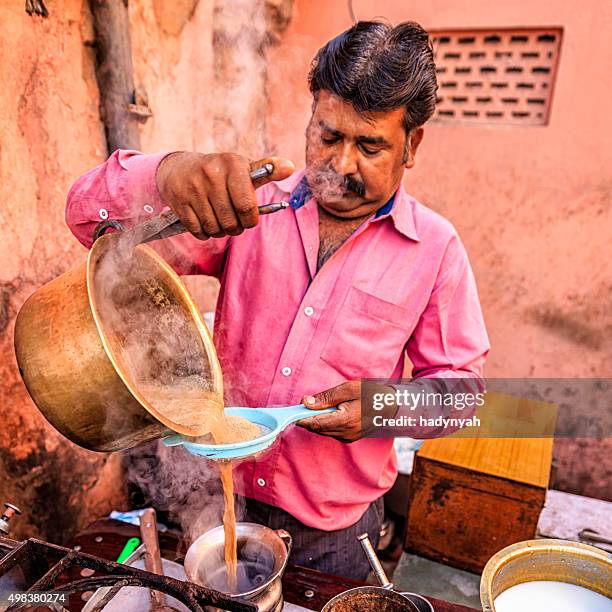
(422, 604)
(261, 550)
(556, 560)
(369, 599)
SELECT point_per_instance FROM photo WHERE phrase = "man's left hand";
(345, 423)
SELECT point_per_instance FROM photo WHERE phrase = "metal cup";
(262, 558)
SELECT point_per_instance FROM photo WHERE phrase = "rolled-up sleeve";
(124, 189)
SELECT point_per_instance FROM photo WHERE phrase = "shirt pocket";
(368, 336)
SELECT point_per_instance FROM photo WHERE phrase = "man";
(352, 278)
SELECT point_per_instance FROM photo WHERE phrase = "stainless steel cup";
(262, 558)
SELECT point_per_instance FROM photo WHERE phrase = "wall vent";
(496, 76)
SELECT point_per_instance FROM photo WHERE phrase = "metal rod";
(152, 556)
(265, 170)
(374, 561)
(104, 594)
(596, 539)
(266, 209)
(35, 558)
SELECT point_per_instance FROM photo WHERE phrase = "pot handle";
(168, 224)
(285, 536)
(364, 539)
(105, 225)
(162, 226)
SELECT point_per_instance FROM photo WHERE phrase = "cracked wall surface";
(202, 68)
(49, 132)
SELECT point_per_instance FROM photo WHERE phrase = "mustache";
(332, 184)
(355, 186)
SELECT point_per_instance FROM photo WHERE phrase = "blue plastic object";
(274, 419)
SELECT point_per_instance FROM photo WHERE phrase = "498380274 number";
(22, 597)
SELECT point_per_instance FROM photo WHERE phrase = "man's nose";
(345, 162)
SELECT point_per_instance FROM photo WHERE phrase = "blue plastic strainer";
(275, 420)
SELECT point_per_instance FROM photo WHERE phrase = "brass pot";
(73, 371)
(557, 560)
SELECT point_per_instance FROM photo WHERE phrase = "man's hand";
(213, 195)
(345, 423)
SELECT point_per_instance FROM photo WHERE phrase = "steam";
(329, 186)
(156, 342)
(152, 335)
(187, 487)
(255, 566)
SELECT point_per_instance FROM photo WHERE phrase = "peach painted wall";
(532, 204)
(50, 133)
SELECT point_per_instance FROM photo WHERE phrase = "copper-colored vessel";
(73, 372)
(546, 559)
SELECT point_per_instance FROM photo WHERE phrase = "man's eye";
(329, 140)
(368, 151)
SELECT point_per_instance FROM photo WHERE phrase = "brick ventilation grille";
(496, 76)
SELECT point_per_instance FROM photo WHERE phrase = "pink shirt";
(400, 285)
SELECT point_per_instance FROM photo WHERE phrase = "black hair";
(377, 67)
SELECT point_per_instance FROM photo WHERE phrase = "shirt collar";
(402, 213)
(400, 206)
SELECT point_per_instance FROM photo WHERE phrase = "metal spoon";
(418, 601)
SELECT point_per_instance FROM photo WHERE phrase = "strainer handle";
(290, 414)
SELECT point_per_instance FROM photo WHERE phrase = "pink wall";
(531, 203)
(49, 132)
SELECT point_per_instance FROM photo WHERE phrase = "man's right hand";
(213, 195)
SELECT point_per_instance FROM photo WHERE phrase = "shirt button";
(148, 208)
(309, 311)
(261, 482)
(286, 371)
(103, 214)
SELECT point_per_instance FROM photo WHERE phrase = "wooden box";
(471, 497)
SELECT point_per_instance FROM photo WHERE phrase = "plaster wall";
(196, 63)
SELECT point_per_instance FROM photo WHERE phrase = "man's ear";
(414, 140)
